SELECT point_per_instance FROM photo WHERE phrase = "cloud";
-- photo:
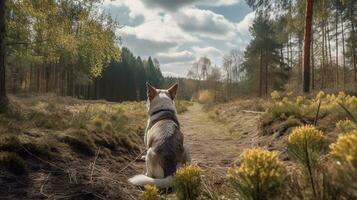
(210, 52)
(205, 23)
(177, 69)
(161, 29)
(176, 57)
(243, 26)
(145, 47)
(171, 74)
(176, 4)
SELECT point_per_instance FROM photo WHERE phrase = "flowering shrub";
(187, 183)
(306, 144)
(275, 95)
(345, 153)
(151, 193)
(260, 175)
(283, 109)
(345, 126)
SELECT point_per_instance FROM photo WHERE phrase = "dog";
(163, 139)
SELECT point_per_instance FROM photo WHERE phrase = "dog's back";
(166, 141)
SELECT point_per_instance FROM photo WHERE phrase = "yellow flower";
(320, 95)
(187, 184)
(257, 164)
(345, 149)
(275, 95)
(151, 193)
(307, 138)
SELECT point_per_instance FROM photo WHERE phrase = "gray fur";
(164, 141)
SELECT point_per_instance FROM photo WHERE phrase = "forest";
(273, 119)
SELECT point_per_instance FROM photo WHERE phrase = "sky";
(179, 32)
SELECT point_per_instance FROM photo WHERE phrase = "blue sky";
(178, 32)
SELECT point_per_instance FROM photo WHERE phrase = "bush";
(182, 106)
(307, 144)
(151, 193)
(12, 162)
(260, 175)
(345, 153)
(187, 183)
(205, 96)
(345, 126)
(284, 109)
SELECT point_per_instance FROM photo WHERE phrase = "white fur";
(142, 180)
(160, 101)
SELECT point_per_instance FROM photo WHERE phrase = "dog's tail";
(141, 180)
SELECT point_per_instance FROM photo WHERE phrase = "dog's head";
(159, 99)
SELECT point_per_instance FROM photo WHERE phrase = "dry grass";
(182, 106)
(50, 133)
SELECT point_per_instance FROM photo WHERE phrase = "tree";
(307, 44)
(3, 98)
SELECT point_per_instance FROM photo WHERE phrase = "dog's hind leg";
(186, 155)
(153, 166)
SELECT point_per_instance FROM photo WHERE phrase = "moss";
(12, 163)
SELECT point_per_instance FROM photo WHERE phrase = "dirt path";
(213, 145)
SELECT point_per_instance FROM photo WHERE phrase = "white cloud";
(176, 4)
(243, 26)
(205, 23)
(175, 57)
(210, 52)
(177, 32)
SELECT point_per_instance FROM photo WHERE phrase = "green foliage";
(260, 175)
(307, 144)
(344, 151)
(284, 109)
(12, 162)
(187, 183)
(150, 193)
(345, 126)
(125, 80)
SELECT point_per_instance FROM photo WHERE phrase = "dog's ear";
(173, 90)
(151, 91)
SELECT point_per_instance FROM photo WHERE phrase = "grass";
(182, 106)
(45, 126)
(12, 162)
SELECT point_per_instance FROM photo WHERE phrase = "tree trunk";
(312, 65)
(261, 74)
(343, 56)
(3, 98)
(337, 67)
(307, 43)
(353, 35)
(266, 74)
(323, 57)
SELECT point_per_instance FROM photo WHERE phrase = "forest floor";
(213, 145)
